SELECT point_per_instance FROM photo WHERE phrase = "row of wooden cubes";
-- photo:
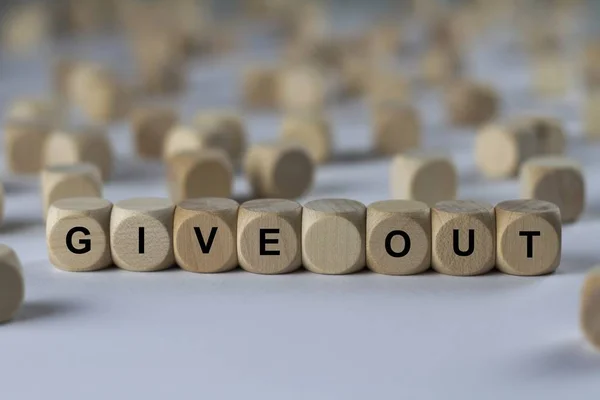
(327, 236)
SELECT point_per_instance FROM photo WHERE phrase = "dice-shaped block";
(528, 237)
(471, 103)
(303, 88)
(149, 126)
(141, 234)
(24, 141)
(77, 234)
(556, 179)
(333, 236)
(259, 87)
(84, 144)
(385, 87)
(45, 111)
(12, 285)
(72, 180)
(311, 130)
(202, 173)
(589, 311)
(269, 236)
(279, 170)
(463, 237)
(398, 237)
(396, 128)
(204, 234)
(441, 64)
(223, 130)
(425, 177)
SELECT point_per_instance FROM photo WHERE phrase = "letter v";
(205, 247)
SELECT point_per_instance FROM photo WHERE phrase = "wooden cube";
(269, 236)
(24, 141)
(556, 179)
(149, 126)
(204, 234)
(592, 114)
(203, 173)
(310, 130)
(398, 237)
(464, 237)
(223, 130)
(422, 176)
(46, 111)
(528, 237)
(471, 103)
(77, 234)
(550, 75)
(12, 285)
(141, 234)
(387, 87)
(70, 180)
(396, 128)
(441, 65)
(80, 144)
(589, 310)
(259, 88)
(25, 27)
(333, 236)
(549, 133)
(279, 170)
(303, 88)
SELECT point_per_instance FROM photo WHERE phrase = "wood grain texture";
(558, 180)
(71, 180)
(421, 176)
(387, 223)
(86, 144)
(149, 127)
(24, 141)
(333, 236)
(589, 309)
(202, 173)
(279, 170)
(463, 237)
(310, 130)
(396, 128)
(77, 234)
(259, 87)
(471, 103)
(210, 252)
(269, 236)
(516, 253)
(12, 284)
(223, 130)
(155, 252)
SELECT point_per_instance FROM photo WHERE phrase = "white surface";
(174, 334)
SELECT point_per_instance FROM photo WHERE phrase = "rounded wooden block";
(471, 103)
(45, 111)
(429, 178)
(72, 180)
(556, 179)
(12, 285)
(398, 237)
(141, 231)
(441, 65)
(312, 131)
(302, 88)
(333, 236)
(204, 234)
(87, 144)
(464, 237)
(77, 234)
(396, 128)
(528, 238)
(203, 173)
(223, 130)
(150, 126)
(268, 239)
(589, 309)
(24, 141)
(549, 133)
(279, 170)
(259, 87)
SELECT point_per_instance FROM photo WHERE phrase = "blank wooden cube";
(77, 234)
(269, 236)
(396, 128)
(441, 65)
(549, 133)
(12, 284)
(464, 237)
(333, 236)
(398, 237)
(556, 179)
(279, 170)
(387, 87)
(260, 88)
(71, 180)
(202, 173)
(302, 88)
(46, 111)
(471, 103)
(149, 126)
(589, 309)
(204, 234)
(528, 237)
(223, 130)
(312, 131)
(422, 176)
(24, 141)
(84, 144)
(141, 234)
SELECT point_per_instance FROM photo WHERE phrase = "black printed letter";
(264, 241)
(205, 247)
(388, 244)
(530, 235)
(141, 240)
(471, 247)
(87, 243)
